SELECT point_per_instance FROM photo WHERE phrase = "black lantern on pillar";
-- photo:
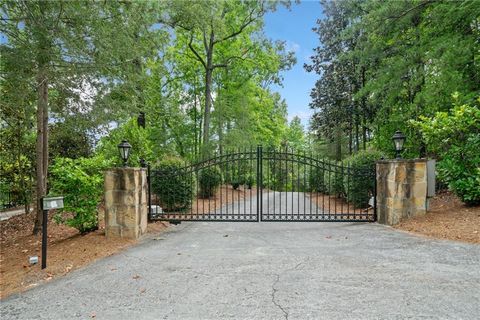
(398, 140)
(124, 148)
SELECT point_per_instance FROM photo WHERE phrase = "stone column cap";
(403, 160)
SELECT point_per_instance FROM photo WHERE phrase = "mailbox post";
(48, 203)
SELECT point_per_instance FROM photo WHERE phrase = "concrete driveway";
(267, 270)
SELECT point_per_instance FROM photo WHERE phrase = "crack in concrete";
(274, 289)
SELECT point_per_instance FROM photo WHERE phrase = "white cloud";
(303, 115)
(293, 46)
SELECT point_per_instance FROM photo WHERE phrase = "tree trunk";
(208, 107)
(338, 144)
(208, 95)
(41, 148)
(41, 145)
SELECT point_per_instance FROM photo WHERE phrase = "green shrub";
(139, 138)
(250, 181)
(209, 180)
(460, 167)
(316, 180)
(455, 138)
(333, 180)
(80, 181)
(359, 183)
(172, 185)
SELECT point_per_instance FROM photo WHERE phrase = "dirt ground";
(448, 218)
(341, 207)
(67, 248)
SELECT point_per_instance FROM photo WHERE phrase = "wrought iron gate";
(263, 185)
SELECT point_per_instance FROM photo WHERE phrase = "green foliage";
(250, 181)
(295, 135)
(455, 138)
(316, 179)
(68, 141)
(173, 187)
(80, 181)
(333, 179)
(359, 183)
(382, 63)
(209, 180)
(138, 137)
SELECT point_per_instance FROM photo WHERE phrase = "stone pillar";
(125, 202)
(401, 189)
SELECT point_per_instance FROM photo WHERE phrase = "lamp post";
(398, 140)
(124, 148)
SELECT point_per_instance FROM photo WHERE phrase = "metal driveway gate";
(271, 184)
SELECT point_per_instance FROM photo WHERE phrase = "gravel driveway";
(281, 270)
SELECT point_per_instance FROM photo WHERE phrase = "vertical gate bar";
(304, 189)
(375, 193)
(196, 188)
(222, 184)
(258, 183)
(274, 174)
(280, 181)
(354, 176)
(336, 186)
(261, 180)
(293, 173)
(341, 204)
(228, 177)
(317, 189)
(286, 182)
(190, 182)
(244, 174)
(208, 199)
(329, 186)
(312, 179)
(268, 181)
(215, 191)
(239, 156)
(323, 188)
(348, 190)
(250, 169)
(232, 168)
(298, 187)
(149, 182)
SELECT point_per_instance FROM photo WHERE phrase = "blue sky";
(295, 27)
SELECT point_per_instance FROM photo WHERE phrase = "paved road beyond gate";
(263, 185)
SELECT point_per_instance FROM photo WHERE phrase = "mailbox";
(49, 203)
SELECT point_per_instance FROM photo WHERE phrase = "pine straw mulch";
(448, 218)
(67, 248)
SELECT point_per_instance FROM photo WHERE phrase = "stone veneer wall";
(125, 202)
(401, 189)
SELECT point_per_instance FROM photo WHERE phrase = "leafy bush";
(172, 185)
(235, 184)
(333, 180)
(209, 180)
(316, 180)
(250, 181)
(455, 138)
(80, 181)
(142, 145)
(359, 184)
(460, 167)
